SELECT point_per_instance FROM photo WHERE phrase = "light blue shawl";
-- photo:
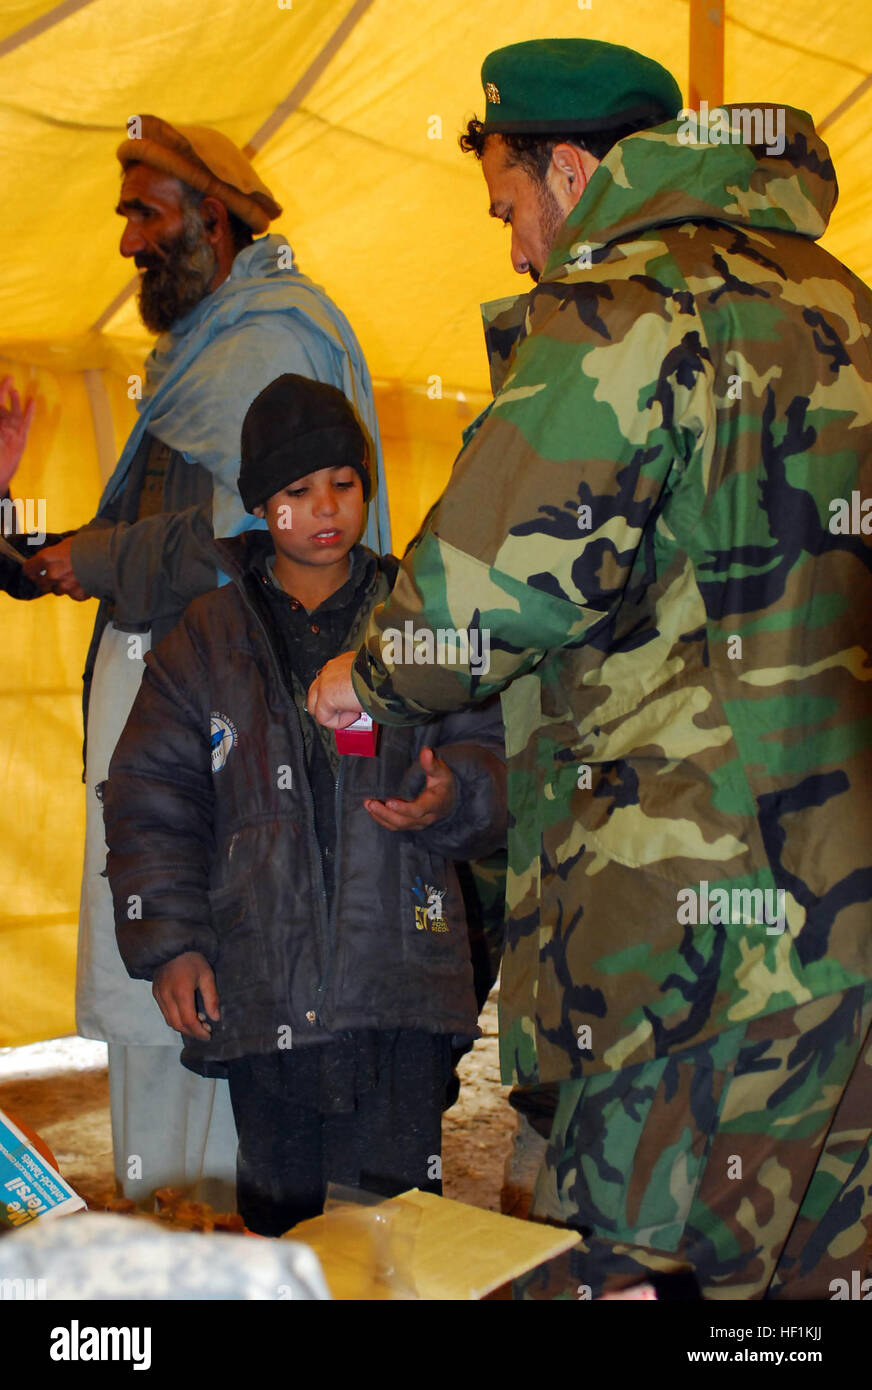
(202, 376)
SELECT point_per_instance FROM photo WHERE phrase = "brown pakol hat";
(206, 160)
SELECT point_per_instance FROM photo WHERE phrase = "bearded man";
(233, 312)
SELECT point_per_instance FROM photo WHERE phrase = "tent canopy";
(352, 111)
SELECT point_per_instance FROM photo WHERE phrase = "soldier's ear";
(571, 170)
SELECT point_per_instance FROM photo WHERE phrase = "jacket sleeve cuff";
(90, 557)
(147, 945)
(391, 710)
(476, 826)
(363, 690)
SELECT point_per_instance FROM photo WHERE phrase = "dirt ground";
(477, 1132)
(60, 1089)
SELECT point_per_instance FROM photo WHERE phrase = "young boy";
(296, 909)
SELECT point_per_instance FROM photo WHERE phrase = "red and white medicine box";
(360, 738)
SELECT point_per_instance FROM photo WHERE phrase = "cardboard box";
(441, 1249)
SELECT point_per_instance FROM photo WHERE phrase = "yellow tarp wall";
(353, 110)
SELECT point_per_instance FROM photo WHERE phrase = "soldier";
(659, 523)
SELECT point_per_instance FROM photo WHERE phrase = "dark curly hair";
(533, 152)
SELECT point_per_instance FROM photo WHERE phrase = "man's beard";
(551, 219)
(174, 284)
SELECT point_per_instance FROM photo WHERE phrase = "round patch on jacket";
(222, 737)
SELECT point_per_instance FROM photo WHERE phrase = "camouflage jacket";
(659, 532)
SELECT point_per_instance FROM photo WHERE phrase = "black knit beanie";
(294, 427)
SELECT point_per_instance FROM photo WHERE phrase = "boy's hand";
(435, 802)
(331, 699)
(173, 988)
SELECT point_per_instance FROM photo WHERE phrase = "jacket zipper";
(324, 917)
(331, 916)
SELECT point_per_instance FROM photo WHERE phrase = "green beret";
(561, 85)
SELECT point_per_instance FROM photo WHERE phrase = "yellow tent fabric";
(352, 111)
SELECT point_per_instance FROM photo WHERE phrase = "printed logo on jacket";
(429, 914)
(222, 738)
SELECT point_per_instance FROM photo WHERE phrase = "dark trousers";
(296, 1135)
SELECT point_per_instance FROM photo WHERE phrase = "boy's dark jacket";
(227, 862)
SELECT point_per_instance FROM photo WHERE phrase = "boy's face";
(318, 518)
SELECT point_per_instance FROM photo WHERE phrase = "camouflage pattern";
(704, 386)
(745, 1159)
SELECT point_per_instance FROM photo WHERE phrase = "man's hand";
(331, 699)
(14, 426)
(51, 570)
(435, 802)
(173, 988)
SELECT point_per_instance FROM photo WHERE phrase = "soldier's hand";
(14, 427)
(435, 802)
(174, 986)
(51, 570)
(331, 699)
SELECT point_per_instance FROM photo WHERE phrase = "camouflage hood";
(656, 177)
